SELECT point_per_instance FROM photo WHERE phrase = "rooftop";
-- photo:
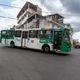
(56, 15)
(25, 7)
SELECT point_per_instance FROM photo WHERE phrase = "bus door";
(57, 39)
(18, 38)
(33, 40)
(66, 43)
(24, 38)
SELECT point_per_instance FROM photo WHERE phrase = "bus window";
(57, 39)
(66, 36)
(18, 34)
(45, 34)
(33, 34)
(25, 34)
(41, 34)
(3, 33)
(7, 33)
(11, 33)
(48, 33)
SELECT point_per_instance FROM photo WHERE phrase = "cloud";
(72, 6)
(67, 8)
(70, 9)
(73, 19)
(6, 23)
(76, 36)
(52, 5)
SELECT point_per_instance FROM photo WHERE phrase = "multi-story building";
(39, 21)
(27, 11)
(33, 21)
(68, 26)
(30, 16)
(49, 21)
(55, 18)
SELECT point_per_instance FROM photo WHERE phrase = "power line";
(42, 10)
(20, 8)
(10, 6)
(8, 17)
(16, 19)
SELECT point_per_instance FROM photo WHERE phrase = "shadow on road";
(34, 50)
(62, 54)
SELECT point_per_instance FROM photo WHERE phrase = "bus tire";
(46, 48)
(12, 44)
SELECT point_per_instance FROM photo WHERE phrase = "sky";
(70, 9)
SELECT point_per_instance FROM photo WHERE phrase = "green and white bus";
(47, 40)
(7, 36)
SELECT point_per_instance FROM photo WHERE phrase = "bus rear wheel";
(46, 49)
(12, 44)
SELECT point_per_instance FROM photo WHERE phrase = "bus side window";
(33, 34)
(3, 33)
(44, 34)
(37, 34)
(7, 33)
(18, 34)
(48, 34)
(25, 34)
(41, 34)
(12, 33)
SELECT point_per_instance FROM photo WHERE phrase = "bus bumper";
(61, 52)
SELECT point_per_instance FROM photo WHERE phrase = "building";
(30, 16)
(55, 18)
(33, 21)
(68, 26)
(27, 11)
(47, 23)
(39, 21)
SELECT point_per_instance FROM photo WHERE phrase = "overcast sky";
(70, 9)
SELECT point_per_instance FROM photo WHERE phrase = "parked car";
(77, 46)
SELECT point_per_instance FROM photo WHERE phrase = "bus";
(7, 36)
(47, 40)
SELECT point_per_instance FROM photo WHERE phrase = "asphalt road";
(22, 64)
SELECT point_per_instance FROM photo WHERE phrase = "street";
(23, 64)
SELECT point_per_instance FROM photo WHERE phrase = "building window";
(30, 19)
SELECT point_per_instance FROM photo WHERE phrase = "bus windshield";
(67, 37)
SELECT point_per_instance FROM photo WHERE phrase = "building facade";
(55, 18)
(30, 16)
(27, 11)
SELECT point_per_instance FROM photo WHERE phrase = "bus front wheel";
(46, 48)
(12, 44)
